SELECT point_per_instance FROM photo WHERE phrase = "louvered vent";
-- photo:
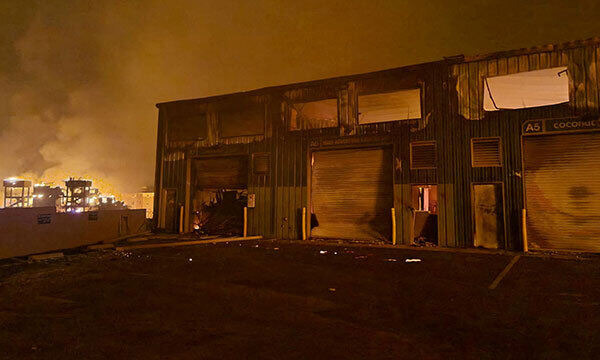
(423, 155)
(486, 152)
(260, 163)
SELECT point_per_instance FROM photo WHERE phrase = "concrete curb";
(186, 243)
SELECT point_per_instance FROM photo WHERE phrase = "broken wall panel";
(392, 106)
(242, 122)
(582, 71)
(222, 172)
(192, 127)
(526, 89)
(314, 114)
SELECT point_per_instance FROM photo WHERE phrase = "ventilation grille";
(486, 152)
(423, 155)
(260, 163)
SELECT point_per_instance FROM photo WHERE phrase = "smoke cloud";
(79, 79)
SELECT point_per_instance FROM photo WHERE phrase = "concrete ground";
(279, 300)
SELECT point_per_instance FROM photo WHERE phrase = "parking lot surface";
(282, 300)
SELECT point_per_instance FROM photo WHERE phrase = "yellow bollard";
(245, 221)
(303, 223)
(181, 212)
(525, 245)
(393, 226)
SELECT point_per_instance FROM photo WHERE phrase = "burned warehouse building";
(497, 151)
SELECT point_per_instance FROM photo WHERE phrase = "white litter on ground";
(190, 259)
(332, 289)
(412, 260)
(322, 252)
(391, 260)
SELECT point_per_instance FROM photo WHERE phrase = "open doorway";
(424, 215)
(219, 211)
(219, 195)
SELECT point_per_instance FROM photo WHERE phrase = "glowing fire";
(55, 178)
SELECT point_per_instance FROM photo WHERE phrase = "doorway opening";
(219, 211)
(424, 215)
(219, 195)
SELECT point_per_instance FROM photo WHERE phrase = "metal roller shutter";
(562, 184)
(352, 194)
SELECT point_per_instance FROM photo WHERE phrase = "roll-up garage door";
(230, 172)
(352, 194)
(562, 184)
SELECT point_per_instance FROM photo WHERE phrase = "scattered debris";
(423, 242)
(101, 246)
(56, 300)
(412, 260)
(332, 289)
(139, 274)
(186, 243)
(56, 255)
(139, 239)
(360, 257)
(322, 252)
(391, 260)
(276, 249)
(222, 215)
(190, 259)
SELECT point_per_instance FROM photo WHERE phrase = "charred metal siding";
(295, 147)
(466, 119)
(452, 114)
(284, 191)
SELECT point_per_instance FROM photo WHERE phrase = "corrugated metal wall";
(452, 115)
(468, 120)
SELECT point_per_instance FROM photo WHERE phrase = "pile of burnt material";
(425, 227)
(224, 215)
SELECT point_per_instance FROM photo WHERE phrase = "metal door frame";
(413, 211)
(472, 192)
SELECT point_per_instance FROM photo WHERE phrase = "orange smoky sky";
(79, 79)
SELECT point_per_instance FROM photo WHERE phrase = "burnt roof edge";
(456, 59)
